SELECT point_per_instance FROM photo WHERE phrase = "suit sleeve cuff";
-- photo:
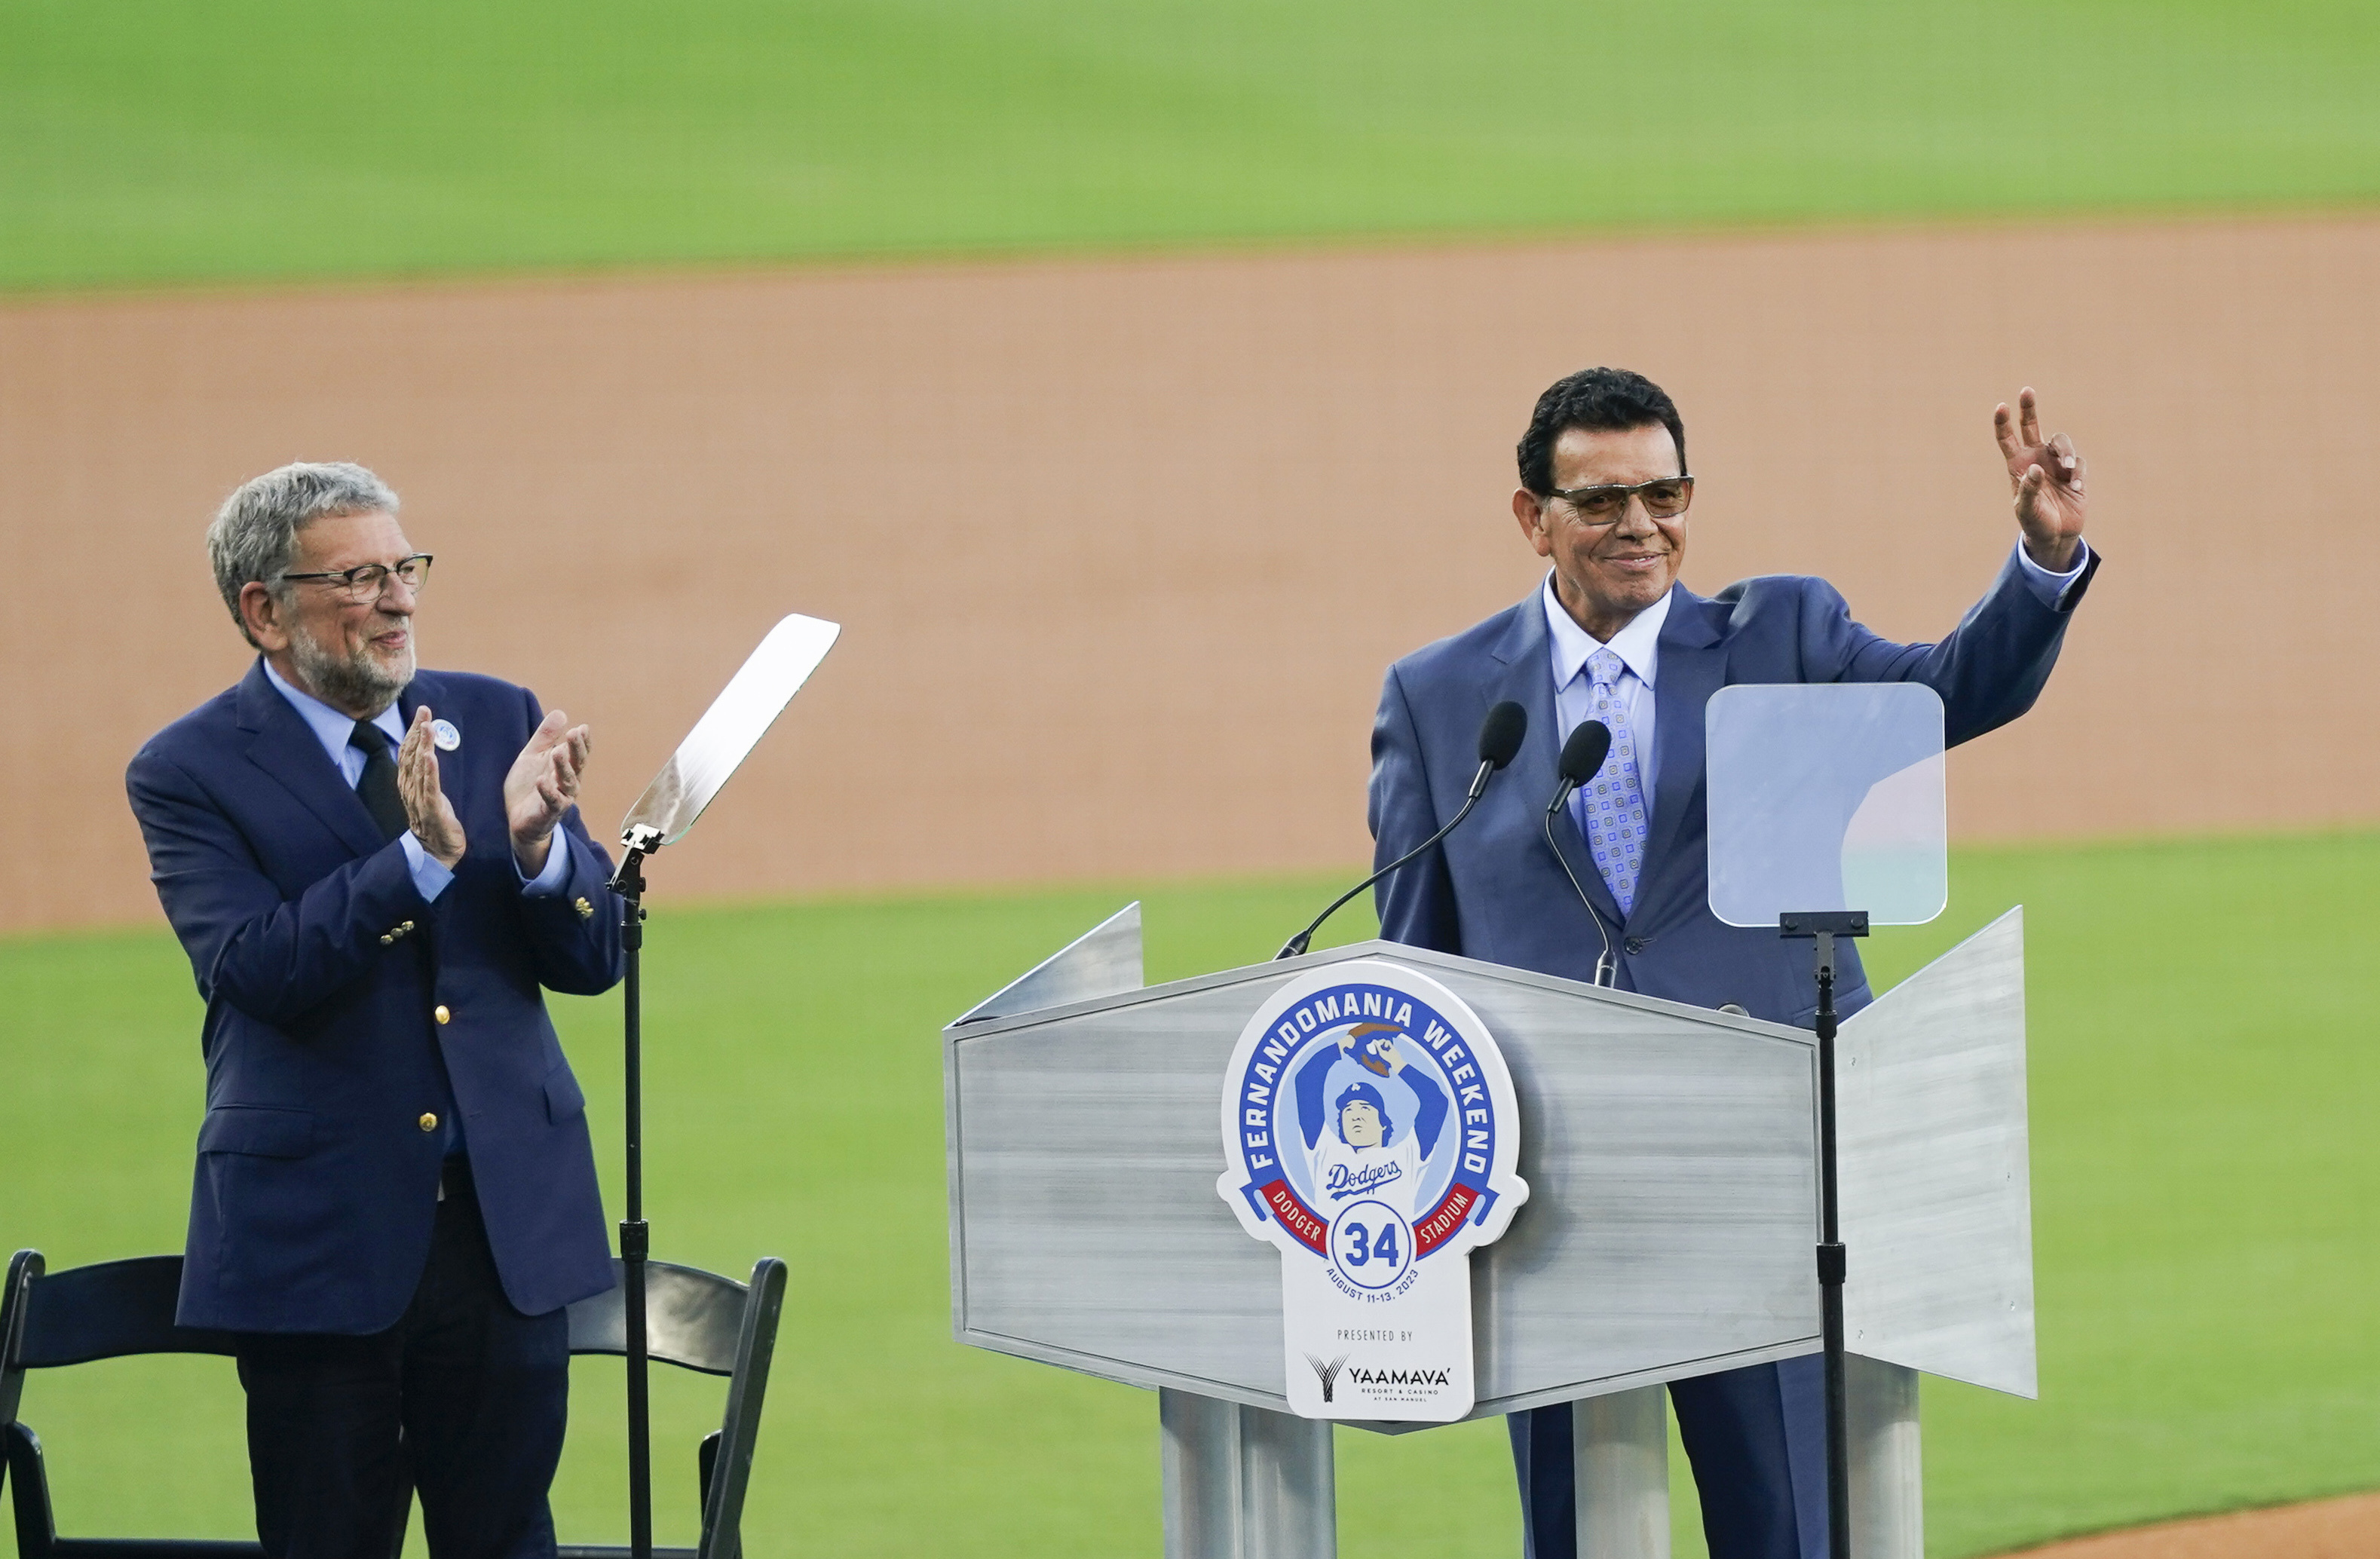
(549, 881)
(430, 877)
(2050, 588)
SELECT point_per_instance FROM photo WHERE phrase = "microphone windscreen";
(1500, 733)
(1586, 751)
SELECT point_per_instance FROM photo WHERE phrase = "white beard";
(349, 681)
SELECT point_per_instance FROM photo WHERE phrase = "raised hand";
(543, 785)
(427, 811)
(1384, 1048)
(2047, 478)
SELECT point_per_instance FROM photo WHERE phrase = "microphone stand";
(1298, 944)
(1823, 927)
(1582, 757)
(1606, 969)
(636, 1235)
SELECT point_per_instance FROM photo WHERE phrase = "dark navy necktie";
(378, 787)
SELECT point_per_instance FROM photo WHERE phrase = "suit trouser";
(465, 1397)
(1757, 1439)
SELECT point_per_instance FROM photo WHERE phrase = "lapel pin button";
(444, 733)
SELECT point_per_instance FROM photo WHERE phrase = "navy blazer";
(342, 1009)
(1495, 892)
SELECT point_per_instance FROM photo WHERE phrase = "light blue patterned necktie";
(1613, 802)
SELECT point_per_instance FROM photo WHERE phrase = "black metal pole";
(1831, 1268)
(636, 1240)
(1823, 927)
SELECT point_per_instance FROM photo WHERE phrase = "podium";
(1671, 1156)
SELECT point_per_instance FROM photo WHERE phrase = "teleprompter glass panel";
(736, 719)
(1827, 796)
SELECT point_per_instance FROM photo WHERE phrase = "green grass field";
(2203, 1082)
(154, 140)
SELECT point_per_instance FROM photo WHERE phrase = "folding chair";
(696, 1320)
(105, 1311)
(699, 1320)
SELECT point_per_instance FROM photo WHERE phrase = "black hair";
(1603, 399)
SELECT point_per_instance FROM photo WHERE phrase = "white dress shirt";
(1639, 648)
(333, 729)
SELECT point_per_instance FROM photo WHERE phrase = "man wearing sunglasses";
(1611, 635)
(375, 871)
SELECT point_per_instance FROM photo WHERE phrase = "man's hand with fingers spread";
(2047, 478)
(427, 811)
(542, 785)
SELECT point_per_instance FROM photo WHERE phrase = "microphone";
(1582, 756)
(1499, 738)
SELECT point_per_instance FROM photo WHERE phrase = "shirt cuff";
(430, 877)
(2049, 588)
(547, 882)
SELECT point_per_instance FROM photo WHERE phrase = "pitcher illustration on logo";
(1358, 1149)
(1371, 1134)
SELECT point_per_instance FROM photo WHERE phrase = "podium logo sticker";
(1371, 1134)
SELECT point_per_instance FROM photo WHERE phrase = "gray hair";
(255, 533)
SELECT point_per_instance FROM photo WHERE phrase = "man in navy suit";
(374, 870)
(1612, 635)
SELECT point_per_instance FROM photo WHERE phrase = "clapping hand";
(2047, 478)
(427, 811)
(542, 785)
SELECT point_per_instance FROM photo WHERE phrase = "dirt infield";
(2348, 1529)
(1123, 547)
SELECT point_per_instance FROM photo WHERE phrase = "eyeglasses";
(368, 581)
(1664, 498)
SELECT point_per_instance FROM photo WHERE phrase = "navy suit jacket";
(317, 1185)
(1494, 891)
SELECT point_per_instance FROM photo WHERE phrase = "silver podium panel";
(1671, 1155)
(1104, 961)
(1933, 1163)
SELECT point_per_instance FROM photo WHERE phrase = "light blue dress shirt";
(1639, 648)
(430, 875)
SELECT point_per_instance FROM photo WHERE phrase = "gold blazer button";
(429, 1121)
(441, 1015)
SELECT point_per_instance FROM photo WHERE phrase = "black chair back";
(111, 1310)
(699, 1320)
(695, 1319)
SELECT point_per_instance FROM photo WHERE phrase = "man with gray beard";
(376, 870)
